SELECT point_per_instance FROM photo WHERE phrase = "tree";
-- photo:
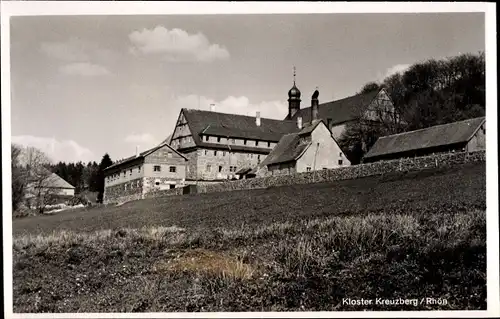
(370, 87)
(378, 119)
(428, 93)
(105, 163)
(358, 137)
(18, 182)
(39, 179)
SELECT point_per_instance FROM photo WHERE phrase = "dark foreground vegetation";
(417, 235)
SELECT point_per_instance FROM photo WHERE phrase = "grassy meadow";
(292, 248)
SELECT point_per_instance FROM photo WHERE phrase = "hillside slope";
(465, 184)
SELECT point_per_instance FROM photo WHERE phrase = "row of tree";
(32, 171)
(428, 93)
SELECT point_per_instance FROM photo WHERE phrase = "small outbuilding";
(468, 135)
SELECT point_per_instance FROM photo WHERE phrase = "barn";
(468, 135)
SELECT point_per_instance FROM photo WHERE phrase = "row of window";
(137, 185)
(308, 169)
(231, 168)
(171, 169)
(188, 139)
(245, 141)
(156, 168)
(223, 153)
(117, 175)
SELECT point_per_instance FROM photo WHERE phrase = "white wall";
(324, 152)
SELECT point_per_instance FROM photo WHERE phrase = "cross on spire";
(294, 74)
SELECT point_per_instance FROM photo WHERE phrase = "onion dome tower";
(293, 99)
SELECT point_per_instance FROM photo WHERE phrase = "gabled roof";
(144, 154)
(290, 147)
(339, 111)
(434, 136)
(55, 181)
(235, 126)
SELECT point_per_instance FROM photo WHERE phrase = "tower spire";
(294, 73)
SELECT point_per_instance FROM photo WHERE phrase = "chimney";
(314, 105)
(329, 123)
(299, 122)
(137, 151)
(212, 107)
(257, 118)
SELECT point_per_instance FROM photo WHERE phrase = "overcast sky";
(86, 85)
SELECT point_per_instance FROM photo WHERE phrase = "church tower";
(293, 99)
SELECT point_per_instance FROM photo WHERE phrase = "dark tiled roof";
(339, 111)
(142, 155)
(309, 127)
(434, 136)
(235, 126)
(243, 170)
(289, 148)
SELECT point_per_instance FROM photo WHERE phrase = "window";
(169, 155)
(157, 168)
(223, 153)
(220, 169)
(251, 155)
(215, 153)
(172, 186)
(172, 169)
(233, 141)
(308, 169)
(245, 142)
(258, 157)
(209, 168)
(324, 168)
(206, 152)
(256, 143)
(124, 174)
(218, 140)
(230, 168)
(268, 144)
(130, 172)
(340, 154)
(139, 169)
(340, 162)
(157, 183)
(206, 138)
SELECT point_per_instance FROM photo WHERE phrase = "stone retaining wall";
(165, 192)
(350, 172)
(131, 190)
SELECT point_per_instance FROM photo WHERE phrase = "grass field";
(305, 247)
